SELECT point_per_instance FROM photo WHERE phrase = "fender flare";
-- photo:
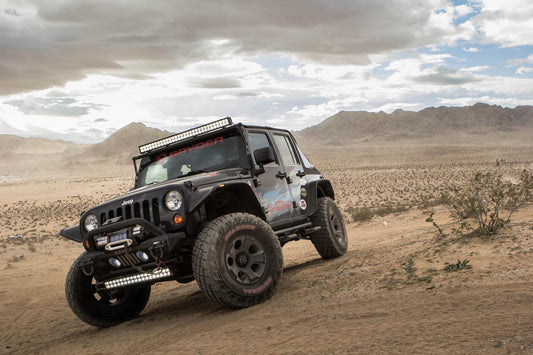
(317, 189)
(241, 189)
(72, 233)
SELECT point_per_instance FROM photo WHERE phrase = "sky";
(79, 70)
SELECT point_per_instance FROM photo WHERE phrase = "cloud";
(524, 70)
(215, 83)
(508, 23)
(440, 75)
(515, 62)
(253, 95)
(67, 107)
(45, 44)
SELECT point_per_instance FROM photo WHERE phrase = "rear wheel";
(102, 308)
(237, 260)
(331, 239)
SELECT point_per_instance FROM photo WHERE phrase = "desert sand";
(363, 302)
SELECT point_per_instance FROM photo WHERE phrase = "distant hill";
(10, 144)
(477, 124)
(32, 156)
(124, 143)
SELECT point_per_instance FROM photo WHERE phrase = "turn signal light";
(178, 219)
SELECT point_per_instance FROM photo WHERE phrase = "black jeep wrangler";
(212, 204)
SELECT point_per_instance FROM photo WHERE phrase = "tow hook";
(86, 266)
(157, 250)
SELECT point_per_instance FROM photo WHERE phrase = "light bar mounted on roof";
(165, 142)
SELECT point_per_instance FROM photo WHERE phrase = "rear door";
(293, 169)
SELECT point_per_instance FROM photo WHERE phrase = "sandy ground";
(362, 302)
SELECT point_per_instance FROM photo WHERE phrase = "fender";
(72, 233)
(242, 189)
(317, 189)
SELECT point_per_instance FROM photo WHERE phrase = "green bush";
(490, 200)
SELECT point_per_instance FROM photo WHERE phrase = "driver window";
(258, 141)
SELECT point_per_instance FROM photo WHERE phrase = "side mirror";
(263, 156)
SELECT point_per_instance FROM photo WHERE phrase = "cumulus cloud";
(46, 44)
(441, 75)
(508, 23)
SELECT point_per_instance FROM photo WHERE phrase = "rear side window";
(288, 155)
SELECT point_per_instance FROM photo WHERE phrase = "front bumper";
(149, 256)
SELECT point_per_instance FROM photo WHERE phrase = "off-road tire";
(95, 308)
(237, 260)
(331, 239)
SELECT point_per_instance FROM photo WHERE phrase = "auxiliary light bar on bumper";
(126, 281)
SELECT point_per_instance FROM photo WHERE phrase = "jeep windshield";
(210, 153)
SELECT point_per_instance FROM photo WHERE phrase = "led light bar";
(137, 279)
(145, 148)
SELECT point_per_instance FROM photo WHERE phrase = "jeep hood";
(185, 183)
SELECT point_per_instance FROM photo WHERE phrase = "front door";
(273, 191)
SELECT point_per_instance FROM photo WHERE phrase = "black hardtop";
(240, 126)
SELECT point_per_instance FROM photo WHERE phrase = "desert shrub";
(361, 214)
(459, 265)
(427, 203)
(409, 267)
(390, 209)
(489, 200)
(365, 213)
(15, 258)
(430, 219)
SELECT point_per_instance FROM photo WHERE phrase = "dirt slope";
(363, 302)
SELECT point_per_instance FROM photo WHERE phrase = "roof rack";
(165, 142)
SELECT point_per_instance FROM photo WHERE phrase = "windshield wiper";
(194, 172)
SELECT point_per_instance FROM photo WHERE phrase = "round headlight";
(173, 200)
(91, 222)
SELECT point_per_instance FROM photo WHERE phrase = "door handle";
(300, 174)
(281, 175)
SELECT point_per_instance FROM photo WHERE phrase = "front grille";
(147, 209)
(128, 259)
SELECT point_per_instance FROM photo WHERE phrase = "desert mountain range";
(480, 124)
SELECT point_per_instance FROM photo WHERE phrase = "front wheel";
(102, 308)
(237, 260)
(330, 240)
